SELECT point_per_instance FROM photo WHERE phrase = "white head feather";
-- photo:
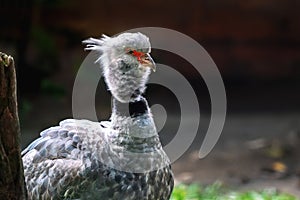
(123, 73)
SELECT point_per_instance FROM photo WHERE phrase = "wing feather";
(53, 164)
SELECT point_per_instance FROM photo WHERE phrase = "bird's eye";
(130, 51)
(136, 54)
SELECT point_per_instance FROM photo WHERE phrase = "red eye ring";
(136, 54)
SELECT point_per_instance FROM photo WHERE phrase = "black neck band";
(132, 109)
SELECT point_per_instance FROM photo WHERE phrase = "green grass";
(217, 192)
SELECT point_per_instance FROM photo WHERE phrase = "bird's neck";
(134, 124)
(132, 109)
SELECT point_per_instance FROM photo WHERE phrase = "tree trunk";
(12, 185)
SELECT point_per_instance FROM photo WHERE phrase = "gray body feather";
(66, 163)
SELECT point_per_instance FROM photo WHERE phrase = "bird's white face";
(128, 65)
(128, 73)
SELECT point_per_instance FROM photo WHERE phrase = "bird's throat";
(131, 109)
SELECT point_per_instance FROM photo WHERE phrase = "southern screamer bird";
(117, 159)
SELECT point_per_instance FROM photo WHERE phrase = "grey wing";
(63, 141)
(67, 139)
(53, 164)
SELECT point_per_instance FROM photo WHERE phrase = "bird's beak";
(147, 61)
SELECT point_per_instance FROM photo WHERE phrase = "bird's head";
(126, 63)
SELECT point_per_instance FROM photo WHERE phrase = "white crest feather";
(93, 44)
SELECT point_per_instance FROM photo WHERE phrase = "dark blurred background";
(255, 44)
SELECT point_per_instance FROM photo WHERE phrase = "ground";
(254, 152)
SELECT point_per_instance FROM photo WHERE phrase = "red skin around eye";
(138, 55)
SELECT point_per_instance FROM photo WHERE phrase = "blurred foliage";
(24, 108)
(217, 192)
(51, 88)
(46, 58)
(43, 40)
